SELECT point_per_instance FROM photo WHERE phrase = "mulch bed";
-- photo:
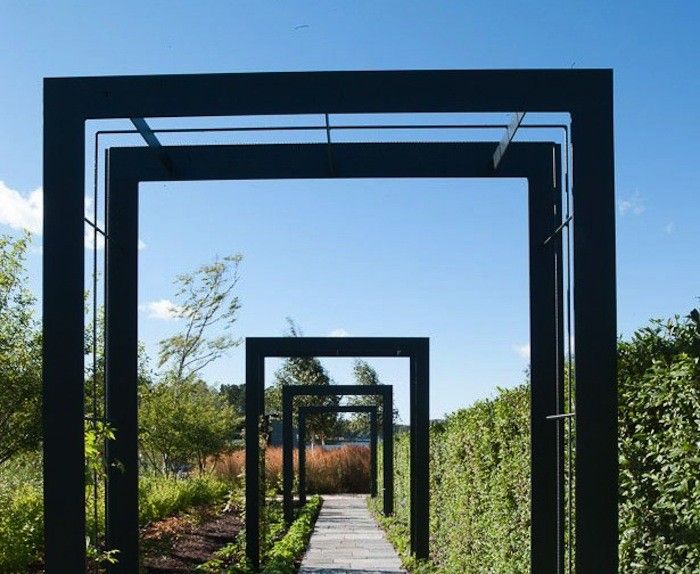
(178, 544)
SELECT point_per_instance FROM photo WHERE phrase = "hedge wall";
(479, 468)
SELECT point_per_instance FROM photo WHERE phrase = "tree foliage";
(20, 354)
(480, 473)
(183, 421)
(304, 371)
(234, 395)
(205, 300)
(366, 374)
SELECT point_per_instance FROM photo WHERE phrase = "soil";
(178, 544)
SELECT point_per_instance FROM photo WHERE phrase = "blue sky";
(445, 259)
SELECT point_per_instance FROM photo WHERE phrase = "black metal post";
(121, 369)
(546, 348)
(63, 409)
(595, 317)
(254, 403)
(302, 456)
(420, 370)
(287, 456)
(373, 454)
(388, 454)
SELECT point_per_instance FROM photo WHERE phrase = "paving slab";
(347, 540)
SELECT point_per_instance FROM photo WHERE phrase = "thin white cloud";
(338, 333)
(632, 205)
(163, 309)
(670, 228)
(27, 212)
(523, 350)
(19, 211)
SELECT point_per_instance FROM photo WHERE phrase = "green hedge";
(281, 558)
(659, 378)
(480, 467)
(479, 487)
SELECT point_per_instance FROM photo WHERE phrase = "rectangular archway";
(539, 163)
(586, 94)
(306, 411)
(383, 391)
(413, 348)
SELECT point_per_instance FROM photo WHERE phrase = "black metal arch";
(384, 391)
(416, 349)
(585, 94)
(539, 163)
(306, 411)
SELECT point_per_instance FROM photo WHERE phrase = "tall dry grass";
(338, 470)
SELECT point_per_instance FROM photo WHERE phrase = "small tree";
(366, 374)
(20, 354)
(182, 418)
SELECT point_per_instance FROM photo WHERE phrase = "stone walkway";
(347, 540)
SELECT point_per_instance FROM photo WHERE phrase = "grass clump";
(338, 470)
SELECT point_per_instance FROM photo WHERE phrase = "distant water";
(333, 446)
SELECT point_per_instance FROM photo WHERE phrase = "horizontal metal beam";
(337, 347)
(330, 390)
(310, 161)
(281, 93)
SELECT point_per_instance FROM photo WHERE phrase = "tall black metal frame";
(415, 349)
(121, 501)
(540, 163)
(310, 410)
(288, 395)
(585, 94)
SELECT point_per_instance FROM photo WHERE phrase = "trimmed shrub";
(479, 487)
(480, 473)
(659, 382)
(283, 555)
